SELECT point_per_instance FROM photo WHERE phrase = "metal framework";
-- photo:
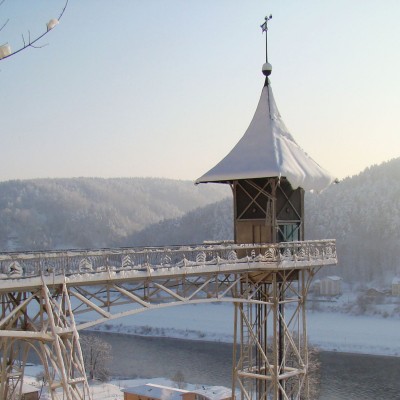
(273, 352)
(44, 297)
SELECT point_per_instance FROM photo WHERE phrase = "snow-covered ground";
(354, 334)
(214, 322)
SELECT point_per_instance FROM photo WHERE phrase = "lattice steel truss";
(271, 349)
(45, 295)
(43, 321)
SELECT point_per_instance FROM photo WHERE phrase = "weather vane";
(267, 68)
(264, 26)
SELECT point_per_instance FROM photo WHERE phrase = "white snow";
(112, 390)
(334, 278)
(267, 149)
(158, 391)
(354, 334)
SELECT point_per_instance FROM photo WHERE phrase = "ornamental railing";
(68, 262)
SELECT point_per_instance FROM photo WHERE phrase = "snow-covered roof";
(214, 393)
(26, 389)
(334, 278)
(156, 391)
(396, 280)
(267, 149)
(169, 393)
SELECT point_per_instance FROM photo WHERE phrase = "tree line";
(44, 214)
(362, 213)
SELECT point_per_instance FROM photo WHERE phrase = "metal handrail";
(67, 262)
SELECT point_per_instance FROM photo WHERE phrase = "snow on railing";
(68, 262)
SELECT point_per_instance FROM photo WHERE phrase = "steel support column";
(51, 332)
(273, 351)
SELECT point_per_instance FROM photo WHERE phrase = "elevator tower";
(269, 173)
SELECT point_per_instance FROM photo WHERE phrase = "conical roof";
(267, 149)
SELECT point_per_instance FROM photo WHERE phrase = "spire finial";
(267, 67)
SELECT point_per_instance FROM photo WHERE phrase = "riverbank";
(138, 360)
(214, 322)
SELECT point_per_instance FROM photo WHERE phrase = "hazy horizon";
(161, 177)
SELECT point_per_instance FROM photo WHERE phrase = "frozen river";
(343, 376)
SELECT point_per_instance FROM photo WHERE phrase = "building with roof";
(267, 149)
(396, 286)
(158, 392)
(209, 393)
(152, 392)
(27, 392)
(269, 173)
(328, 286)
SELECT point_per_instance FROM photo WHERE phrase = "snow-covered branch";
(6, 49)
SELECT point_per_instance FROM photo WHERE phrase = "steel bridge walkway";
(42, 292)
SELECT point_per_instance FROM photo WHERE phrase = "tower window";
(288, 232)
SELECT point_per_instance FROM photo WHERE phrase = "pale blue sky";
(167, 88)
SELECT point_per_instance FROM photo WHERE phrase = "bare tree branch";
(96, 353)
(31, 43)
(5, 23)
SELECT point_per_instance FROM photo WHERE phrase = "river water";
(343, 376)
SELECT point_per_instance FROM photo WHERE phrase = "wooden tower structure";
(268, 173)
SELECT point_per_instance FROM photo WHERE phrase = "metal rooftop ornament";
(267, 67)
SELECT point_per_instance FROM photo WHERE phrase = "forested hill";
(362, 212)
(91, 212)
(212, 222)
